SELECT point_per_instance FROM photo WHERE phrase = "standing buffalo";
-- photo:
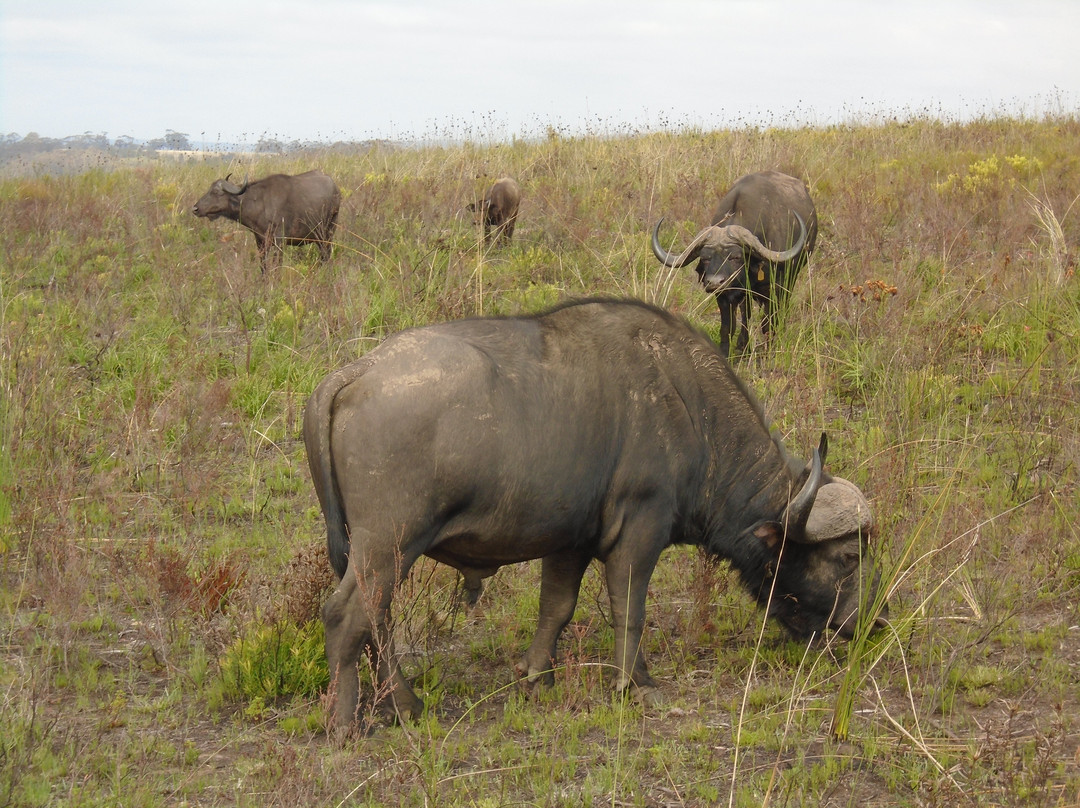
(745, 253)
(279, 210)
(598, 430)
(498, 210)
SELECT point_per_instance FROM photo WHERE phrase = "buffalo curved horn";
(748, 239)
(732, 235)
(801, 505)
(670, 259)
(230, 187)
(712, 236)
(840, 509)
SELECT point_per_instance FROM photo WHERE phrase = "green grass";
(161, 546)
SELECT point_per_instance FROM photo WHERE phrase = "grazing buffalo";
(279, 210)
(599, 430)
(498, 211)
(762, 233)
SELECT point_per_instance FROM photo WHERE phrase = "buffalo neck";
(755, 485)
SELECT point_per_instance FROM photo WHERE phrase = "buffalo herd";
(761, 234)
(600, 429)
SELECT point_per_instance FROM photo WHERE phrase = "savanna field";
(162, 553)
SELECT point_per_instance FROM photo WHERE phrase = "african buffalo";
(598, 430)
(498, 211)
(279, 210)
(745, 253)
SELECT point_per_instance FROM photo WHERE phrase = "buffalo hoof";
(355, 730)
(470, 595)
(532, 676)
(648, 696)
(410, 712)
(401, 710)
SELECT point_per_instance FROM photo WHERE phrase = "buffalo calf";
(498, 211)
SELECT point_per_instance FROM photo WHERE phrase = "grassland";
(160, 543)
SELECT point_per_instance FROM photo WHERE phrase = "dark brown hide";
(599, 430)
(280, 210)
(498, 211)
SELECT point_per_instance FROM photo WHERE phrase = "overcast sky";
(323, 70)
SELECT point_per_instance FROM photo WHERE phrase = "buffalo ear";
(771, 535)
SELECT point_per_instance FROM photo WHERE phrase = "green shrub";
(275, 662)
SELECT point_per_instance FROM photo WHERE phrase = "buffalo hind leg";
(355, 617)
(347, 630)
(774, 305)
(508, 230)
(324, 240)
(396, 697)
(560, 581)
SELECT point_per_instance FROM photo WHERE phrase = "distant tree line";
(33, 143)
(13, 145)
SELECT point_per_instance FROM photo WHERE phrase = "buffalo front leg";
(560, 581)
(744, 324)
(774, 304)
(627, 574)
(261, 247)
(728, 322)
(270, 248)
